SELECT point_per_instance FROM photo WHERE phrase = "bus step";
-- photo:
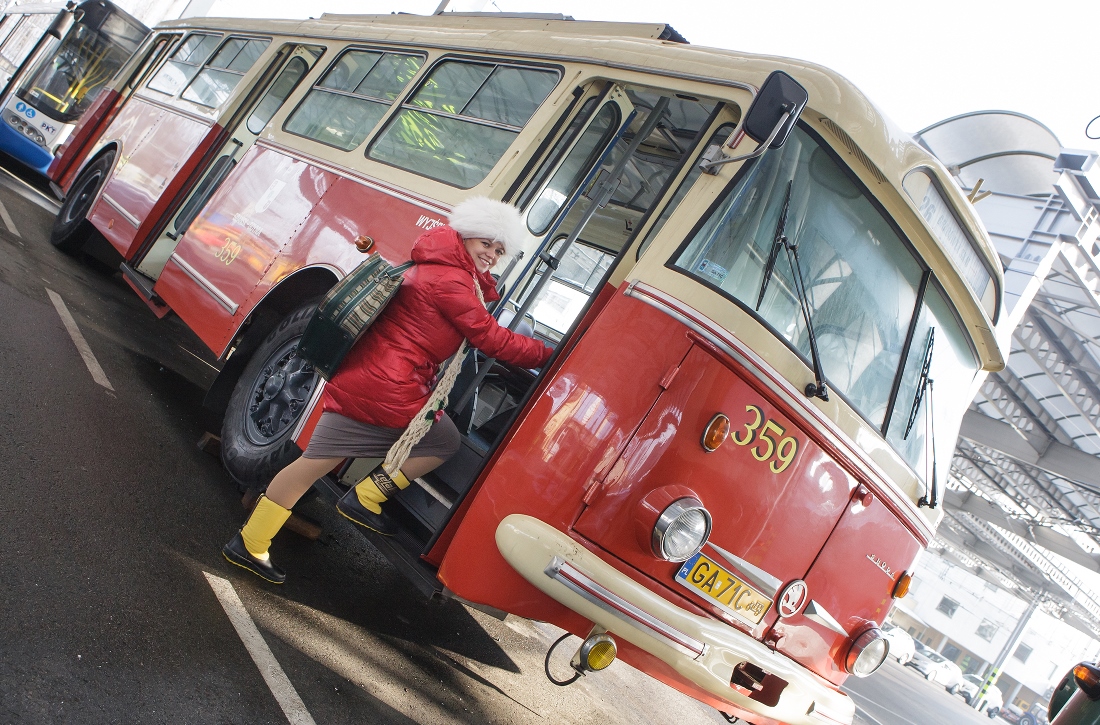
(144, 288)
(403, 550)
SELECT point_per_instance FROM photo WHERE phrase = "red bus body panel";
(854, 578)
(565, 442)
(777, 522)
(265, 206)
(275, 215)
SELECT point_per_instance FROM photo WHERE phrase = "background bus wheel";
(267, 403)
(71, 228)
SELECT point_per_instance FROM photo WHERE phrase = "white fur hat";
(482, 218)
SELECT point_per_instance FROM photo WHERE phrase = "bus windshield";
(861, 279)
(65, 82)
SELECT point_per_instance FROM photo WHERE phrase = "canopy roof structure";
(1025, 479)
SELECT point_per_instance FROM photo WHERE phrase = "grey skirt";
(338, 436)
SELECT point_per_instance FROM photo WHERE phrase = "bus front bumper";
(704, 651)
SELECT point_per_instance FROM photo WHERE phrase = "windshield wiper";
(818, 388)
(925, 382)
(778, 240)
(922, 382)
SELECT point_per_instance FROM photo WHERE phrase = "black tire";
(267, 403)
(71, 227)
(993, 712)
(1027, 719)
(954, 690)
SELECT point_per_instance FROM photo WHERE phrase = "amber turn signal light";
(902, 587)
(715, 434)
(1088, 679)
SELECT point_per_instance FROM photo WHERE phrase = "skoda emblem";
(792, 598)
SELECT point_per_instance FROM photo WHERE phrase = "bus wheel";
(71, 228)
(266, 405)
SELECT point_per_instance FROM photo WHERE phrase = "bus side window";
(283, 86)
(184, 63)
(719, 137)
(462, 119)
(351, 98)
(215, 83)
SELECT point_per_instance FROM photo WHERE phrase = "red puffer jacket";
(386, 378)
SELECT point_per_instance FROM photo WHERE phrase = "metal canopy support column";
(1009, 648)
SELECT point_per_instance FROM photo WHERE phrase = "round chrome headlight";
(868, 653)
(681, 530)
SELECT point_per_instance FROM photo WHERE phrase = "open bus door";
(144, 270)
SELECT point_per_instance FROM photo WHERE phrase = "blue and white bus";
(78, 48)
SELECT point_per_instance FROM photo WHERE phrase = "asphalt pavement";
(898, 695)
(116, 604)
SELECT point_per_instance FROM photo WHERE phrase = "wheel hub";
(279, 394)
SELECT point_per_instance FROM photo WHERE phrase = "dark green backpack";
(348, 310)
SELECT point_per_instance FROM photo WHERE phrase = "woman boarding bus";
(749, 277)
(78, 53)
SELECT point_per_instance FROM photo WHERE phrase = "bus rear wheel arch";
(71, 228)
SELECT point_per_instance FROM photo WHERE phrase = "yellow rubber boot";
(266, 520)
(378, 487)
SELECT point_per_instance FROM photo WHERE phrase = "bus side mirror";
(769, 120)
(776, 108)
(61, 24)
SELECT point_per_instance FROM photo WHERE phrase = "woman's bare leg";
(294, 480)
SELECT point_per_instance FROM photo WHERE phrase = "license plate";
(718, 586)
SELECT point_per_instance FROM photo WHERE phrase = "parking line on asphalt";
(277, 681)
(78, 339)
(8, 221)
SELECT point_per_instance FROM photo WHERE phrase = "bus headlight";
(681, 530)
(868, 653)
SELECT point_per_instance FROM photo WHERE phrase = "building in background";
(969, 620)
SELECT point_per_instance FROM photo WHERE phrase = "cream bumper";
(704, 651)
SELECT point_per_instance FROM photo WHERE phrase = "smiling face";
(484, 252)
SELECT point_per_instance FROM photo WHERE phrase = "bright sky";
(922, 64)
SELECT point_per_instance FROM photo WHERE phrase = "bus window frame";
(154, 59)
(425, 74)
(145, 84)
(228, 38)
(747, 308)
(397, 102)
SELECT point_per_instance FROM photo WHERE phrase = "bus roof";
(883, 149)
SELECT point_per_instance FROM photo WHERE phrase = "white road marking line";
(78, 339)
(181, 347)
(8, 221)
(277, 681)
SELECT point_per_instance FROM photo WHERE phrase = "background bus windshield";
(66, 82)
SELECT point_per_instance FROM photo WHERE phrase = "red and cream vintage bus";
(729, 465)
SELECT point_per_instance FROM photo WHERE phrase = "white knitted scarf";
(423, 420)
